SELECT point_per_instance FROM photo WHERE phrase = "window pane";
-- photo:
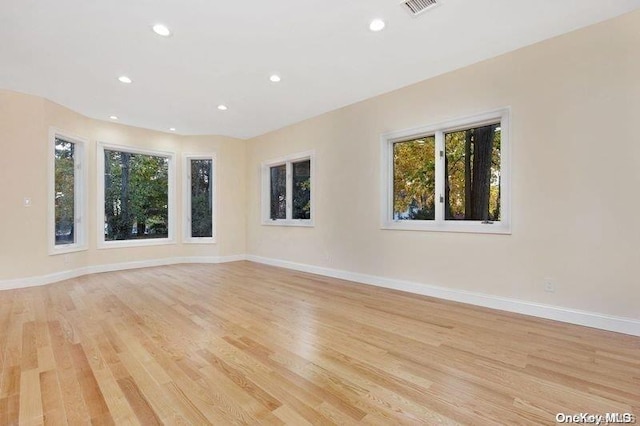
(201, 198)
(414, 179)
(302, 190)
(279, 192)
(136, 196)
(472, 163)
(64, 192)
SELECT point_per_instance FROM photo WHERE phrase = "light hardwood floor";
(244, 343)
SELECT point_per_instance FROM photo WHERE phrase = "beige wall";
(575, 180)
(575, 104)
(24, 137)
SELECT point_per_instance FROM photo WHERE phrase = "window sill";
(201, 240)
(459, 227)
(65, 249)
(292, 222)
(135, 243)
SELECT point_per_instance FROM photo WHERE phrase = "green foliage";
(460, 197)
(136, 194)
(278, 182)
(494, 196)
(301, 190)
(414, 179)
(425, 213)
(201, 198)
(64, 191)
(455, 149)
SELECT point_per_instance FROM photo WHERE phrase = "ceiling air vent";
(416, 7)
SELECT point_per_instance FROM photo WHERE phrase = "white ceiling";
(223, 52)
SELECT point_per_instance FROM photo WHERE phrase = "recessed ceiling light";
(124, 79)
(113, 117)
(275, 78)
(222, 107)
(377, 25)
(161, 30)
(172, 129)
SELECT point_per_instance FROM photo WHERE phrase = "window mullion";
(440, 177)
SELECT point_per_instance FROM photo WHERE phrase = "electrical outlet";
(27, 202)
(549, 286)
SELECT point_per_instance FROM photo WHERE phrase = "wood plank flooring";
(243, 343)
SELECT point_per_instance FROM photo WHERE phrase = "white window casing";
(100, 194)
(186, 199)
(288, 161)
(503, 226)
(80, 193)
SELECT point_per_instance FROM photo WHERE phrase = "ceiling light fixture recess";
(162, 30)
(222, 107)
(113, 117)
(124, 79)
(172, 129)
(376, 25)
(275, 78)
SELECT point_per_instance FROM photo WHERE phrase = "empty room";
(378, 212)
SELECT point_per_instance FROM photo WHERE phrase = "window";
(286, 191)
(136, 196)
(67, 200)
(448, 177)
(301, 190)
(278, 199)
(199, 201)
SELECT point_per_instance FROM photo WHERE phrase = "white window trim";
(81, 177)
(439, 224)
(171, 239)
(266, 190)
(186, 198)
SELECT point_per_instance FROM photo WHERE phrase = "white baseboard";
(573, 316)
(65, 275)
